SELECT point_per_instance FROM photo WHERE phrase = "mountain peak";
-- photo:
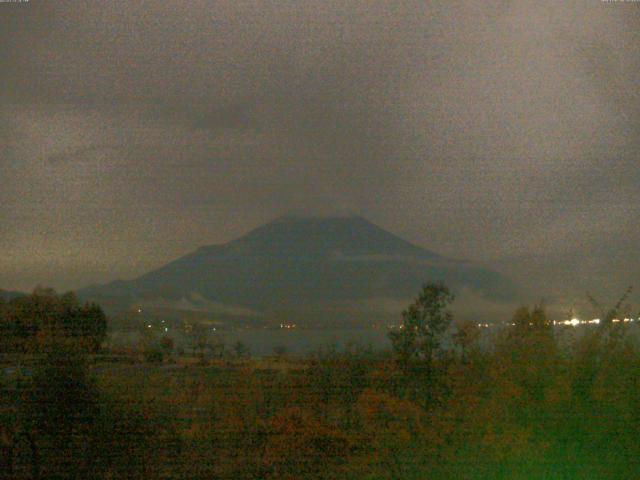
(352, 235)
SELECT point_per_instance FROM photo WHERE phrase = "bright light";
(574, 322)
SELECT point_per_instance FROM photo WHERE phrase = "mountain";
(298, 267)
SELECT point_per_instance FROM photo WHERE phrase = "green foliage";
(531, 336)
(40, 321)
(466, 338)
(424, 322)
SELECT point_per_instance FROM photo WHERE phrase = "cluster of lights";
(574, 322)
(166, 329)
(624, 320)
(402, 327)
(287, 326)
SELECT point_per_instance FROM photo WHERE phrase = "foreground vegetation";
(530, 405)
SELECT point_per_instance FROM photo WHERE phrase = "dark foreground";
(530, 405)
(523, 411)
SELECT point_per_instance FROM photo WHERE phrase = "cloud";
(486, 130)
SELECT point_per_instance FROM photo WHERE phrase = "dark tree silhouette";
(424, 322)
(39, 321)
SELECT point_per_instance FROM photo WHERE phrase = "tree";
(532, 333)
(466, 338)
(424, 322)
(93, 325)
(607, 315)
(241, 350)
(57, 413)
(39, 321)
(167, 344)
(529, 347)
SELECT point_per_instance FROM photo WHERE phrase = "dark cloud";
(497, 131)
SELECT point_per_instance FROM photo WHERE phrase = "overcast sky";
(499, 131)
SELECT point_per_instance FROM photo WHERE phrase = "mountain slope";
(303, 263)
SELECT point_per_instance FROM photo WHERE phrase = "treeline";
(529, 405)
(33, 323)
